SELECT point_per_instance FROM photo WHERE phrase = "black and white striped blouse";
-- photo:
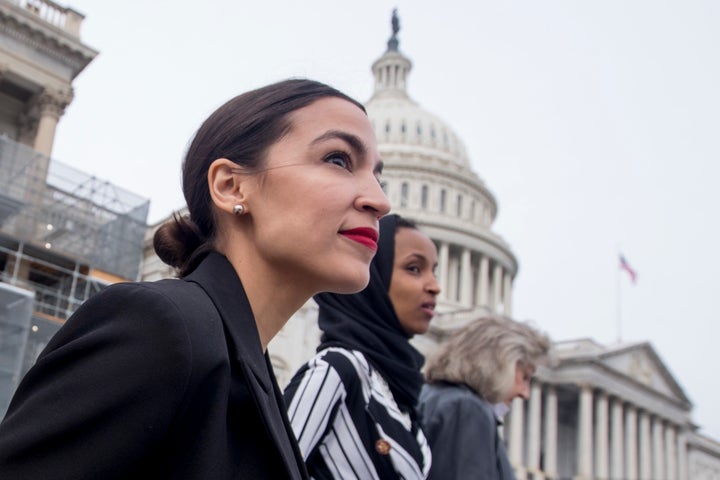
(348, 424)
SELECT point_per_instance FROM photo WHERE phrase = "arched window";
(404, 194)
(443, 200)
(424, 196)
(459, 206)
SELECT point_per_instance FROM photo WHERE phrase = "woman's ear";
(225, 184)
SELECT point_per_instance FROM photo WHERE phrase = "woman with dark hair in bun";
(171, 379)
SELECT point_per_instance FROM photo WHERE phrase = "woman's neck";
(273, 295)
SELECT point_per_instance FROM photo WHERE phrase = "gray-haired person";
(471, 380)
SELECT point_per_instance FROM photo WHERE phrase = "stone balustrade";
(64, 18)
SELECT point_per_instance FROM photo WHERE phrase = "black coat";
(153, 380)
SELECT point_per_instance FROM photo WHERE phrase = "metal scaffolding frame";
(59, 227)
(65, 211)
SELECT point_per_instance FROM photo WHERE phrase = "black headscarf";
(366, 321)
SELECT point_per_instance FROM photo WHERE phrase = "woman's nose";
(433, 285)
(373, 198)
(525, 391)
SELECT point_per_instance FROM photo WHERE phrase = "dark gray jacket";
(462, 430)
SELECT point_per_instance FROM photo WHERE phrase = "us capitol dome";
(428, 178)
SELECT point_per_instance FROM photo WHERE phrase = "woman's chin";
(350, 284)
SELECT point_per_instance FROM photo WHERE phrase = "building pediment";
(632, 363)
(641, 362)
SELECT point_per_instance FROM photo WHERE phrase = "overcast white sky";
(595, 123)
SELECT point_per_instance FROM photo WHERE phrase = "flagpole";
(619, 300)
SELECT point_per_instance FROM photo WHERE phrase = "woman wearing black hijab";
(352, 406)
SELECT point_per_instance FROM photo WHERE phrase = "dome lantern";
(392, 69)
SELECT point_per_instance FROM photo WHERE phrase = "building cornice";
(52, 41)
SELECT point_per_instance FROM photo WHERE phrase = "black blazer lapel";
(218, 278)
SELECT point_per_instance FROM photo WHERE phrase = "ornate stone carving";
(640, 370)
(54, 103)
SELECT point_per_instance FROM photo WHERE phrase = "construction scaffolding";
(15, 318)
(64, 233)
(59, 208)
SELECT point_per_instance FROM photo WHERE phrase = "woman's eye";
(340, 159)
(413, 269)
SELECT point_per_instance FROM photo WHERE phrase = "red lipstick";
(363, 235)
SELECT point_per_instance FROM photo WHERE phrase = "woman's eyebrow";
(352, 140)
(415, 256)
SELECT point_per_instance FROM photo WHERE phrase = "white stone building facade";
(607, 412)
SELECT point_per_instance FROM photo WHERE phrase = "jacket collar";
(218, 278)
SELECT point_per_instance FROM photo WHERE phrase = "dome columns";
(496, 297)
(391, 73)
(483, 282)
(466, 280)
(507, 295)
(442, 274)
(464, 277)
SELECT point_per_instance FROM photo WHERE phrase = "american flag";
(624, 265)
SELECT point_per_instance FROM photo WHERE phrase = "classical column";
(534, 423)
(670, 453)
(453, 278)
(585, 433)
(658, 454)
(497, 287)
(645, 447)
(51, 106)
(484, 280)
(682, 460)
(442, 276)
(517, 436)
(601, 436)
(466, 281)
(617, 471)
(631, 445)
(551, 408)
(507, 295)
